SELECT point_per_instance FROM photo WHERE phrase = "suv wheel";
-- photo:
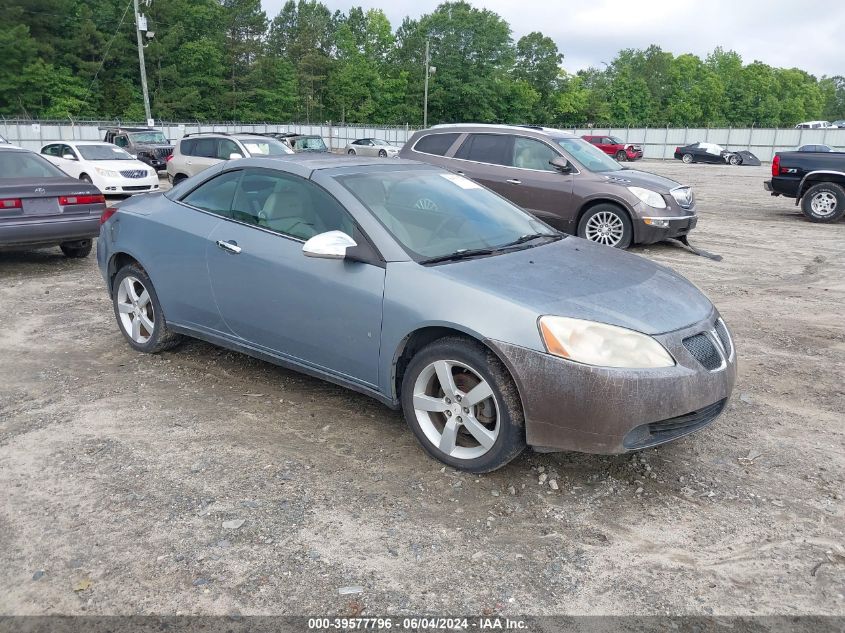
(463, 406)
(139, 312)
(687, 158)
(621, 156)
(606, 224)
(824, 202)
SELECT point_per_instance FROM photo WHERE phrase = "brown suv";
(563, 180)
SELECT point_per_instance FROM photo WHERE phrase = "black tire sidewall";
(621, 156)
(837, 191)
(628, 235)
(382, 153)
(691, 159)
(77, 252)
(159, 327)
(351, 152)
(511, 439)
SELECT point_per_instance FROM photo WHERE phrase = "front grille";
(704, 351)
(134, 173)
(137, 188)
(722, 333)
(162, 152)
(666, 430)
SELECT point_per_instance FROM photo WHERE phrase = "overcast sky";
(787, 33)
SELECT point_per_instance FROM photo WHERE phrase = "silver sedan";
(372, 147)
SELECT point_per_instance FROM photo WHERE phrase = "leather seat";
(288, 209)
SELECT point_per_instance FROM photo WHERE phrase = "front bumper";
(128, 186)
(573, 407)
(634, 154)
(677, 227)
(49, 232)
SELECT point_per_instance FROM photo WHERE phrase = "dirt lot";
(119, 472)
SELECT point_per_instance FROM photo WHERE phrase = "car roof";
(482, 127)
(78, 143)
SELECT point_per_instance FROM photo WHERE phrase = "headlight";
(108, 173)
(651, 198)
(602, 345)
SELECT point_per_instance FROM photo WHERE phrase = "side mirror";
(234, 156)
(135, 156)
(68, 156)
(561, 164)
(329, 245)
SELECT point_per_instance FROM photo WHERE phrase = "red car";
(616, 147)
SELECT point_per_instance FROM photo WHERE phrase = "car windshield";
(102, 152)
(435, 214)
(3, 139)
(264, 146)
(588, 155)
(27, 165)
(150, 137)
(310, 143)
(616, 140)
(379, 141)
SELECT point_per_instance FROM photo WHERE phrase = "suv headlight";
(601, 345)
(108, 173)
(651, 198)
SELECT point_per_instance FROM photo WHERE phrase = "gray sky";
(786, 33)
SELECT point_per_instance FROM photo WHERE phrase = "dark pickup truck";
(815, 179)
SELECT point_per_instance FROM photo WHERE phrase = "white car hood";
(119, 165)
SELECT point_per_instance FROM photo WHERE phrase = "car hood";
(579, 279)
(150, 146)
(636, 178)
(118, 165)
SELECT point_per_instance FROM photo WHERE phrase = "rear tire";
(179, 178)
(824, 202)
(621, 156)
(607, 224)
(77, 249)
(687, 158)
(351, 152)
(476, 422)
(138, 312)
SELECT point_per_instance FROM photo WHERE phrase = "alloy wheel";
(823, 203)
(687, 158)
(137, 317)
(456, 409)
(605, 227)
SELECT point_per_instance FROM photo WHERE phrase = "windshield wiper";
(463, 253)
(529, 237)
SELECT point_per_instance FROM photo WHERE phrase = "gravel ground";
(201, 481)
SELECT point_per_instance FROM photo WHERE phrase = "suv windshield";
(263, 146)
(149, 137)
(27, 165)
(102, 152)
(310, 143)
(588, 155)
(434, 214)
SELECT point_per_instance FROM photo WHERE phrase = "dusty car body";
(42, 206)
(149, 145)
(704, 152)
(372, 147)
(461, 314)
(587, 194)
(616, 147)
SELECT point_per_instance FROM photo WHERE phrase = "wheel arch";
(416, 340)
(118, 261)
(594, 202)
(817, 178)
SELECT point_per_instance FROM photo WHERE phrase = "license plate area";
(41, 206)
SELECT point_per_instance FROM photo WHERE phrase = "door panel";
(324, 312)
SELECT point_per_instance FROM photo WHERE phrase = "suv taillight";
(776, 166)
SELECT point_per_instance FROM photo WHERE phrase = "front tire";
(734, 160)
(86, 178)
(463, 406)
(78, 249)
(621, 156)
(687, 158)
(824, 202)
(351, 152)
(382, 153)
(607, 224)
(139, 313)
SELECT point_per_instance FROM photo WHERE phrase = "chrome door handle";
(230, 247)
(514, 181)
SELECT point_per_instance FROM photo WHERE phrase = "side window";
(529, 153)
(226, 147)
(186, 146)
(595, 140)
(67, 149)
(205, 147)
(289, 205)
(496, 149)
(121, 141)
(216, 194)
(51, 150)
(437, 144)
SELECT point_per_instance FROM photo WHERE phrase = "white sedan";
(107, 166)
(372, 147)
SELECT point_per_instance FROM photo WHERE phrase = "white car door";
(74, 166)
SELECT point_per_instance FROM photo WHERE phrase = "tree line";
(227, 60)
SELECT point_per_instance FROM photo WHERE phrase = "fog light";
(657, 222)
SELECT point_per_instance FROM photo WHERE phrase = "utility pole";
(141, 21)
(425, 99)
